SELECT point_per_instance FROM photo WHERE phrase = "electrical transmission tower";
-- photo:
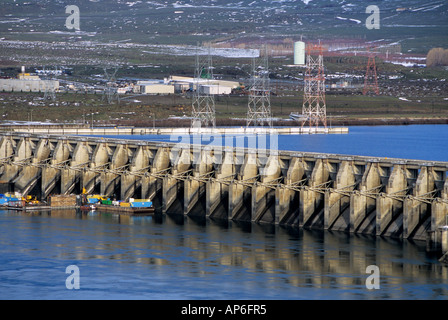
(110, 92)
(203, 106)
(49, 93)
(49, 90)
(314, 110)
(371, 79)
(259, 105)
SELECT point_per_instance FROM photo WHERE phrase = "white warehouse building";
(178, 84)
(155, 87)
(215, 89)
(208, 86)
(19, 85)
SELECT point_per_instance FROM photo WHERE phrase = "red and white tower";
(371, 79)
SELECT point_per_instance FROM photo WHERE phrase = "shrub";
(437, 57)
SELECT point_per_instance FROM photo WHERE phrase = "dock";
(101, 208)
(125, 210)
(37, 208)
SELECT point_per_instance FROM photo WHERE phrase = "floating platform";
(125, 210)
(98, 207)
(37, 207)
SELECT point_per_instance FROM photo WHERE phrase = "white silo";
(299, 53)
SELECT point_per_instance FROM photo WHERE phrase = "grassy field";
(144, 109)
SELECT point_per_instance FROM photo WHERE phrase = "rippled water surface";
(174, 257)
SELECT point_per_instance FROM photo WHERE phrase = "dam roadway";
(366, 195)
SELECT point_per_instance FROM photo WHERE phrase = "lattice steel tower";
(259, 105)
(203, 106)
(49, 93)
(314, 110)
(49, 90)
(371, 79)
(110, 92)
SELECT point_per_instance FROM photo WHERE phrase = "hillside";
(418, 25)
(155, 39)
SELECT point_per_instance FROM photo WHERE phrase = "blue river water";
(175, 257)
(419, 142)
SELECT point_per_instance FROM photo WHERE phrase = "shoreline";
(7, 126)
(331, 122)
(388, 122)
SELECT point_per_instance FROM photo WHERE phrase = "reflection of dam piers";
(366, 195)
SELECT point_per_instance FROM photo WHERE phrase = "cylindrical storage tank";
(299, 53)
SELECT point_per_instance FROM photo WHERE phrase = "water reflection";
(252, 256)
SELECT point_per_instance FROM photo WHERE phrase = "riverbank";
(175, 110)
(185, 122)
(387, 121)
(231, 126)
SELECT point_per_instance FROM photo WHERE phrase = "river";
(419, 142)
(173, 257)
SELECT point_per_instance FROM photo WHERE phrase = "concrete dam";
(366, 195)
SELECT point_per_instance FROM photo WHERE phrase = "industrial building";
(208, 86)
(17, 85)
(179, 84)
(215, 89)
(157, 89)
(153, 87)
(27, 82)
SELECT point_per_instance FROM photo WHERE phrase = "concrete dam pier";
(366, 195)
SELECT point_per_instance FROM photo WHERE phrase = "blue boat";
(6, 199)
(140, 204)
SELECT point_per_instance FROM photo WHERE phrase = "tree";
(437, 57)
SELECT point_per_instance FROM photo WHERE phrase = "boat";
(296, 116)
(94, 199)
(9, 198)
(131, 207)
(12, 201)
(88, 207)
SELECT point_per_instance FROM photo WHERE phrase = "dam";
(362, 195)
